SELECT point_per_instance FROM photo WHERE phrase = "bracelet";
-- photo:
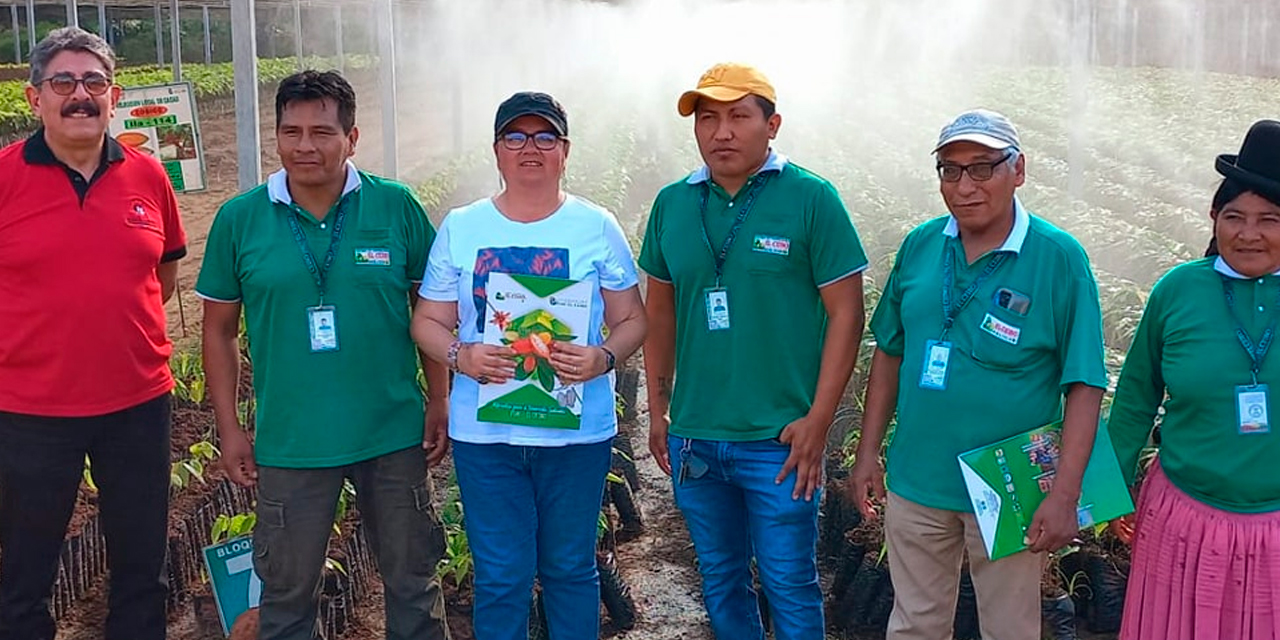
(610, 359)
(451, 356)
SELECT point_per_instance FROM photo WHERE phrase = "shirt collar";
(1017, 235)
(37, 151)
(775, 162)
(278, 184)
(1225, 269)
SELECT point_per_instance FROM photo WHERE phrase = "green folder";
(1008, 480)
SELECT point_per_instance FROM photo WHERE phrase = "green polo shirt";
(997, 385)
(1186, 357)
(749, 381)
(325, 409)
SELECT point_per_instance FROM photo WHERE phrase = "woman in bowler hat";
(1206, 533)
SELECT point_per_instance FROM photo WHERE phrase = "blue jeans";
(533, 511)
(729, 499)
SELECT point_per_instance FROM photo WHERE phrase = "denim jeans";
(533, 511)
(735, 512)
(295, 513)
(41, 465)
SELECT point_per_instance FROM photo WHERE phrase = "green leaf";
(204, 449)
(559, 327)
(521, 374)
(546, 376)
(564, 337)
(241, 524)
(219, 530)
(334, 565)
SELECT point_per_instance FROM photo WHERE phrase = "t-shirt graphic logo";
(138, 216)
(526, 261)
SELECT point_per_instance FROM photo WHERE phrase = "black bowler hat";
(531, 103)
(1258, 164)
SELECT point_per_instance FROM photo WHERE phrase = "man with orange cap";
(755, 317)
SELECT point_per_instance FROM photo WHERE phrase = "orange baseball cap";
(727, 82)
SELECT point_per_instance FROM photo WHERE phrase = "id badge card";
(937, 358)
(717, 309)
(1251, 408)
(322, 325)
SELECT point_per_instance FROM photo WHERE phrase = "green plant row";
(209, 80)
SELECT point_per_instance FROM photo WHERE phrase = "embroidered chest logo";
(771, 244)
(1000, 329)
(138, 215)
(374, 257)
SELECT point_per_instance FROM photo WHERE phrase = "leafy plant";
(333, 565)
(226, 527)
(245, 411)
(346, 498)
(88, 475)
(188, 377)
(182, 472)
(458, 562)
(209, 81)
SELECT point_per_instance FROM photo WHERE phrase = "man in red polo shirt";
(89, 243)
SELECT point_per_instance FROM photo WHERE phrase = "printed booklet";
(1009, 479)
(529, 314)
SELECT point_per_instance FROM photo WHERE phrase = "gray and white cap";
(983, 126)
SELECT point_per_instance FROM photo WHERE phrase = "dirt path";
(659, 565)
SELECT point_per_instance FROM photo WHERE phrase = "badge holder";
(717, 299)
(937, 361)
(1251, 409)
(322, 322)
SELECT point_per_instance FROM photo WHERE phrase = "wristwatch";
(610, 359)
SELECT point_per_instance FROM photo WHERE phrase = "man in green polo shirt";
(989, 318)
(322, 259)
(755, 317)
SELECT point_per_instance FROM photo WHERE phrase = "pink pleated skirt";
(1200, 573)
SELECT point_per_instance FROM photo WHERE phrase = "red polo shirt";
(82, 323)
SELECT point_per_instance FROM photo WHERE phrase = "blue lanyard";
(949, 311)
(320, 274)
(719, 258)
(1256, 352)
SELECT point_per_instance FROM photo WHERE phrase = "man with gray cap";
(1010, 320)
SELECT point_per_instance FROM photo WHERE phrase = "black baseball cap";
(531, 103)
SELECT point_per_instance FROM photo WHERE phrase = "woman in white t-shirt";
(531, 413)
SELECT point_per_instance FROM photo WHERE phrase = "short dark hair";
(311, 85)
(69, 39)
(766, 105)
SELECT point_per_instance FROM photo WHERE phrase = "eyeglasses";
(64, 84)
(978, 171)
(542, 140)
